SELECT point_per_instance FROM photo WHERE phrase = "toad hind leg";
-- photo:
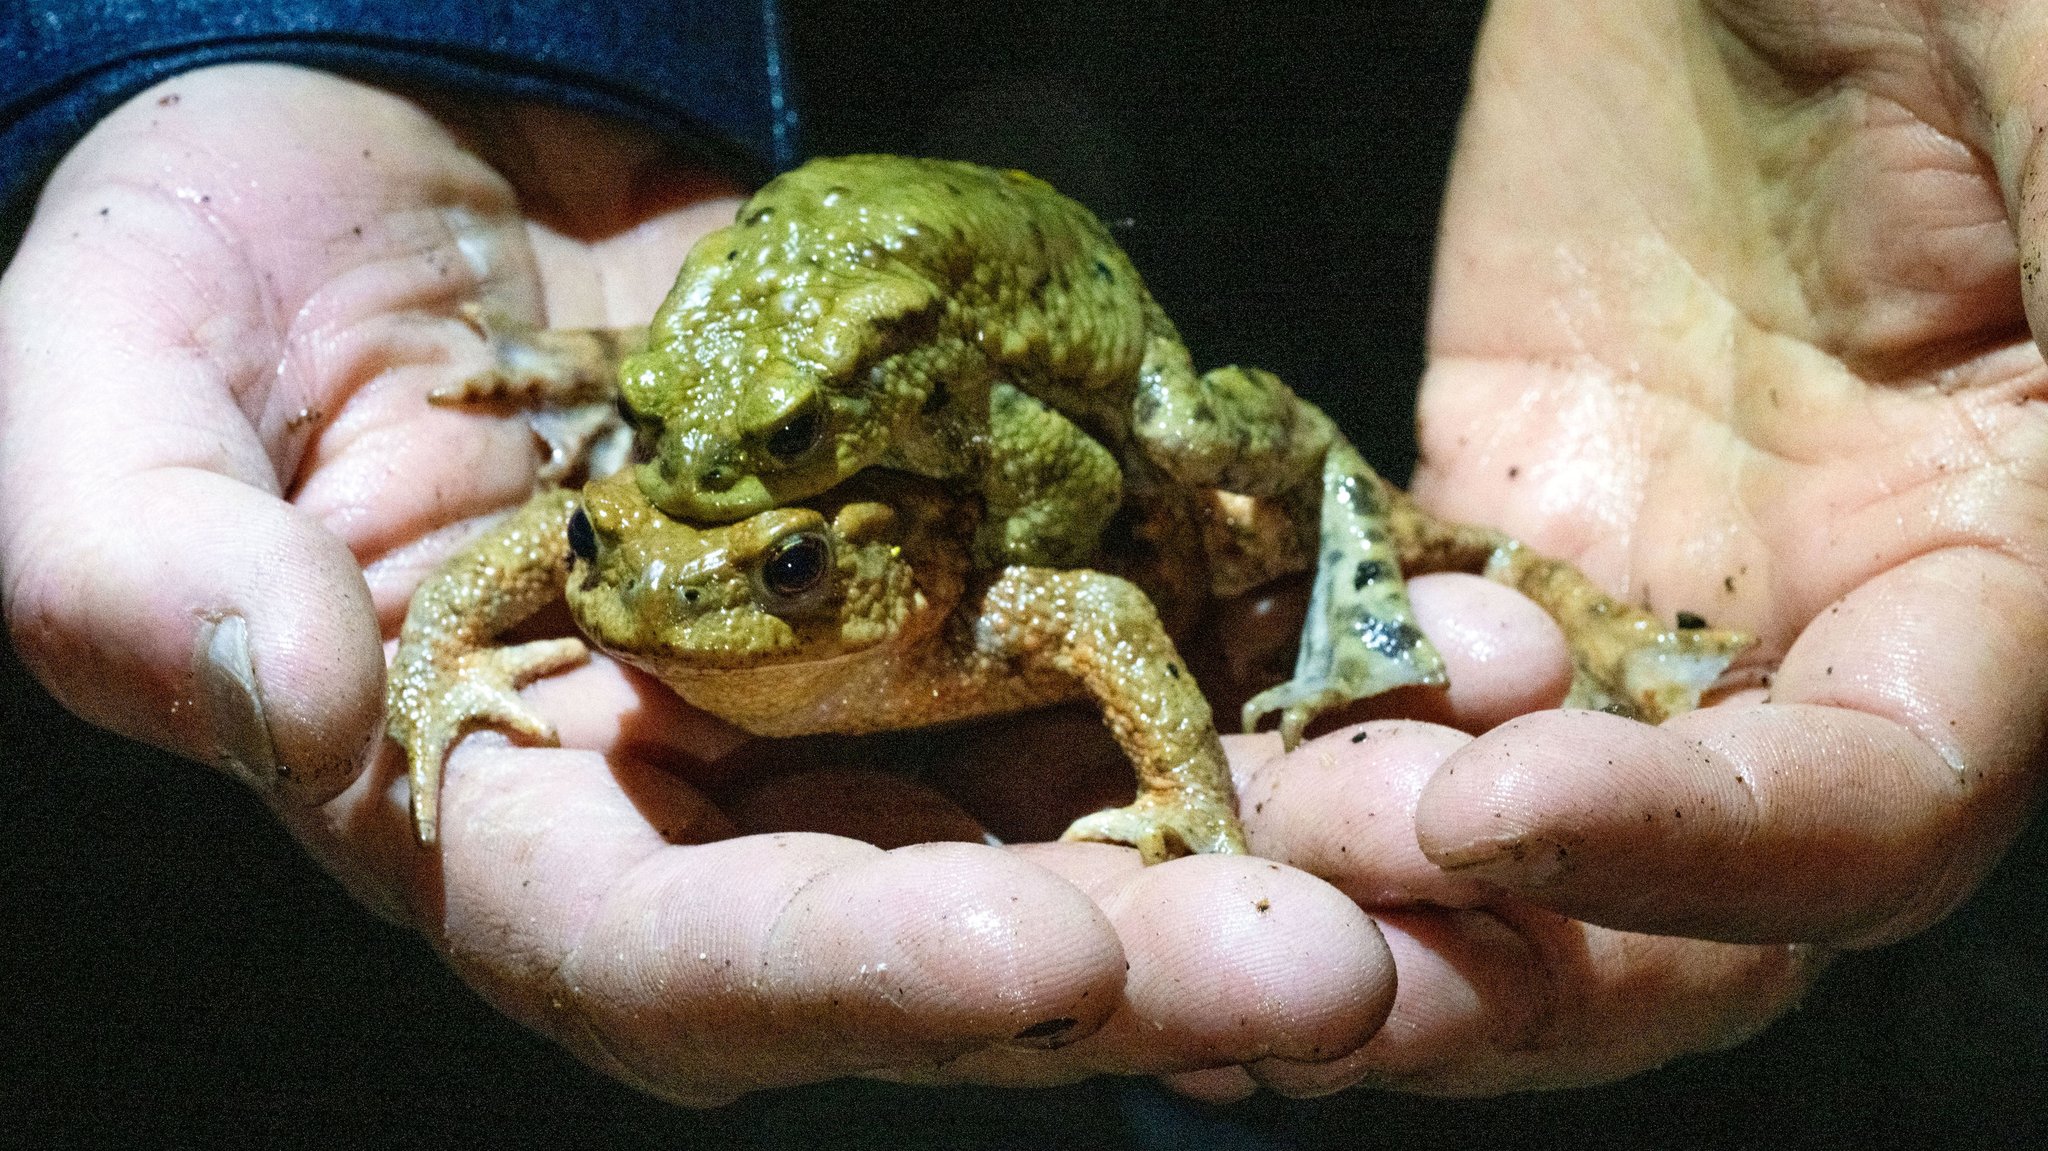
(1102, 631)
(1624, 660)
(566, 380)
(1244, 431)
(1359, 637)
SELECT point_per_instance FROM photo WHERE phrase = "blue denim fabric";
(708, 74)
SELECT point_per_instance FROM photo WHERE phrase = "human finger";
(172, 343)
(1503, 655)
(603, 902)
(1494, 994)
(1893, 763)
(1233, 960)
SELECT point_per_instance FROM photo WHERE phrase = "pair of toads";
(916, 445)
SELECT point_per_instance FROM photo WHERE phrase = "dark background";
(175, 973)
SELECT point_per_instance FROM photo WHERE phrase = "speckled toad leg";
(1624, 660)
(1102, 631)
(1359, 637)
(1243, 431)
(446, 677)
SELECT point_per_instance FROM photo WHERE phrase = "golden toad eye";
(797, 565)
(798, 435)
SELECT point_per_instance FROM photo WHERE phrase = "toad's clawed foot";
(564, 379)
(1644, 670)
(429, 710)
(1162, 828)
(1359, 637)
(1312, 692)
(1624, 660)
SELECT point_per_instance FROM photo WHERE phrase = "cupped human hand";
(220, 480)
(1497, 992)
(1732, 310)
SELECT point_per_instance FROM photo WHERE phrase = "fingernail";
(1509, 861)
(234, 707)
(477, 243)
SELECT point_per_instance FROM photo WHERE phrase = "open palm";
(1731, 309)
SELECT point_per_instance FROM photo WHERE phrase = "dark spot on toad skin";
(1690, 621)
(1395, 638)
(1367, 572)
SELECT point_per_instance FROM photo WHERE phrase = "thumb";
(155, 579)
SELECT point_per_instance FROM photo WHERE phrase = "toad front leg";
(447, 677)
(1102, 631)
(1048, 487)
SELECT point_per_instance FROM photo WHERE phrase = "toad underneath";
(874, 317)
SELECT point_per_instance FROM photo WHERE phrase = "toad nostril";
(582, 537)
(717, 479)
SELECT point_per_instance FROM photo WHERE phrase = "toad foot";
(1160, 829)
(481, 689)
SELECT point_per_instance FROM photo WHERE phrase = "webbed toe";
(1162, 829)
(430, 710)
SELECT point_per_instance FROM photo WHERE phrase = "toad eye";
(797, 565)
(582, 537)
(797, 435)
